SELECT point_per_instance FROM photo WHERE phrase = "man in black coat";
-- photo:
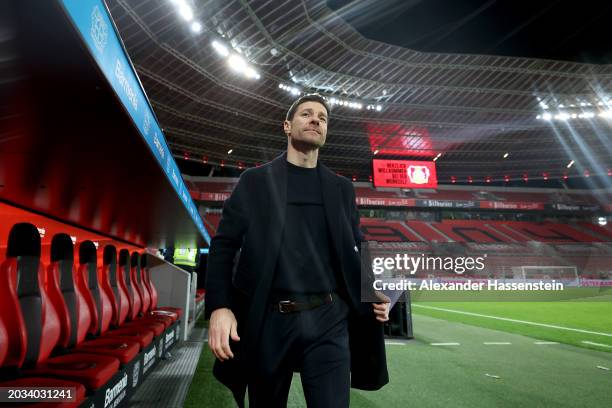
(283, 285)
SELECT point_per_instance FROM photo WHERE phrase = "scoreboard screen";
(404, 173)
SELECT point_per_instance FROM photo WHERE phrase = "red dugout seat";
(79, 389)
(134, 300)
(122, 348)
(145, 297)
(65, 294)
(33, 317)
(119, 302)
(3, 341)
(174, 312)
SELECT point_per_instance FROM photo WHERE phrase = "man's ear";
(287, 127)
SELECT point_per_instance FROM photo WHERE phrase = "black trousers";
(314, 343)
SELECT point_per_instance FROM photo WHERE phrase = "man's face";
(309, 124)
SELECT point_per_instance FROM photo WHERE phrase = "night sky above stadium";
(550, 29)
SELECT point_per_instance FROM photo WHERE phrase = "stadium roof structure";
(469, 109)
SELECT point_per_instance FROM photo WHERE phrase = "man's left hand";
(381, 310)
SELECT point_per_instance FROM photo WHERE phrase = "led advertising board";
(404, 173)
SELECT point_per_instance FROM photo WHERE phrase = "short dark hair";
(313, 97)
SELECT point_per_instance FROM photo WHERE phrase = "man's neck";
(303, 158)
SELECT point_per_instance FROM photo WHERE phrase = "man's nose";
(314, 120)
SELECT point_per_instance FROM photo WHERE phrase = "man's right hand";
(222, 325)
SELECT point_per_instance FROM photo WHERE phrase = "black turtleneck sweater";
(305, 258)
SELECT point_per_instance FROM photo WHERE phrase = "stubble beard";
(306, 145)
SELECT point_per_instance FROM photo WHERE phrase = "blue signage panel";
(92, 19)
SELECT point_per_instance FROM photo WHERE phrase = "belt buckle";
(281, 304)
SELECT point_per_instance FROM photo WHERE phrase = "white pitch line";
(496, 343)
(444, 344)
(552, 326)
(596, 344)
(541, 343)
(395, 343)
(603, 368)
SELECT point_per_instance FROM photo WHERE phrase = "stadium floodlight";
(196, 27)
(506, 155)
(375, 152)
(251, 73)
(562, 116)
(230, 151)
(378, 108)
(185, 11)
(606, 114)
(547, 116)
(603, 221)
(588, 115)
(237, 63)
(220, 48)
(570, 164)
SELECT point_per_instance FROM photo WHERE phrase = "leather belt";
(312, 302)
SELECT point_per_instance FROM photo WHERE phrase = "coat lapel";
(330, 187)
(276, 191)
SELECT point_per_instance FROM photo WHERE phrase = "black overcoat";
(251, 227)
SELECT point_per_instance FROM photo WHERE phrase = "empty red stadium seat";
(125, 276)
(138, 286)
(65, 294)
(174, 312)
(425, 230)
(119, 302)
(122, 348)
(107, 308)
(470, 231)
(3, 341)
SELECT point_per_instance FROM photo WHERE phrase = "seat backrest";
(10, 314)
(53, 288)
(31, 320)
(108, 311)
(118, 297)
(63, 277)
(134, 279)
(144, 291)
(4, 341)
(87, 282)
(146, 279)
(126, 282)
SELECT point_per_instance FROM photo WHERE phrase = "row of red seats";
(66, 327)
(474, 231)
